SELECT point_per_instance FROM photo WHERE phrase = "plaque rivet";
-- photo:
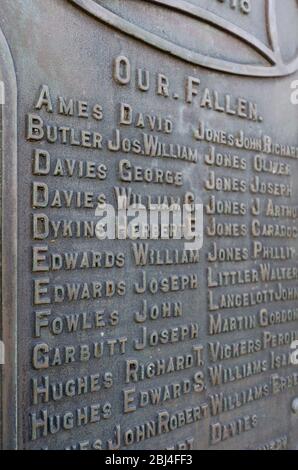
(295, 406)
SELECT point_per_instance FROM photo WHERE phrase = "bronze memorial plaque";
(149, 224)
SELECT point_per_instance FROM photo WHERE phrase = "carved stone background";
(232, 71)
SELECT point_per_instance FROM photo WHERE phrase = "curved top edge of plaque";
(276, 67)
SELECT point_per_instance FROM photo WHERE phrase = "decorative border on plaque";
(9, 223)
(276, 67)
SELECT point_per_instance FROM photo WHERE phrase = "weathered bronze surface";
(141, 344)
